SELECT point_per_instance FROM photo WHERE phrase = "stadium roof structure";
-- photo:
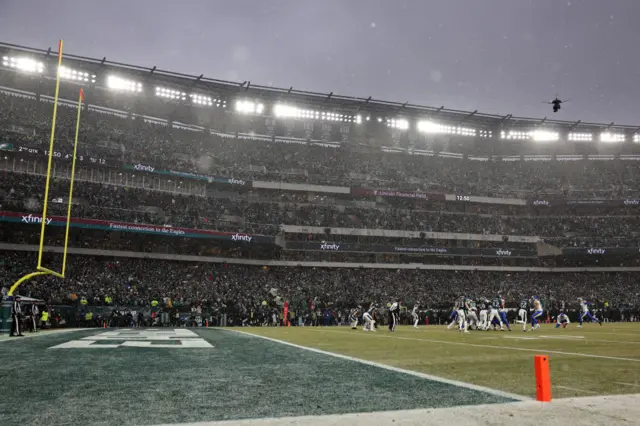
(231, 90)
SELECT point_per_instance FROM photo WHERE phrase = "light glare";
(118, 83)
(23, 64)
(76, 75)
(607, 137)
(545, 136)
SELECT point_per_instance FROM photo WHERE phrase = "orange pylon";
(543, 378)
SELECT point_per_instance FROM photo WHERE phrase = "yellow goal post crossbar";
(41, 270)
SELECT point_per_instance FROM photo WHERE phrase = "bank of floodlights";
(426, 126)
(485, 133)
(580, 137)
(201, 99)
(607, 137)
(288, 111)
(123, 84)
(164, 92)
(249, 107)
(77, 76)
(636, 138)
(397, 123)
(23, 64)
(514, 135)
(545, 136)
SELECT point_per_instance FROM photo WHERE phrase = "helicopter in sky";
(557, 103)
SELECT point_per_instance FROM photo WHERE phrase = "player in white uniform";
(483, 303)
(353, 317)
(563, 320)
(584, 313)
(472, 316)
(414, 315)
(369, 322)
(537, 313)
(394, 316)
(522, 314)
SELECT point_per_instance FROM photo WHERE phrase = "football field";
(170, 376)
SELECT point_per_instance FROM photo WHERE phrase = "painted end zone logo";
(179, 338)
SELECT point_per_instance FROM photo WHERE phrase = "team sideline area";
(169, 376)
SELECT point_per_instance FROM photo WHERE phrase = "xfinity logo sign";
(144, 168)
(596, 251)
(325, 246)
(503, 252)
(35, 219)
(233, 181)
(241, 237)
(540, 203)
(631, 202)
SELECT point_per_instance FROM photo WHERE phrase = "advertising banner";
(239, 183)
(397, 249)
(105, 225)
(363, 192)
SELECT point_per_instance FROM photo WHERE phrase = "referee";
(394, 316)
(16, 314)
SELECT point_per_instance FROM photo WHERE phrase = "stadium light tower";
(164, 92)
(76, 76)
(580, 137)
(249, 107)
(426, 126)
(202, 100)
(545, 136)
(607, 137)
(398, 123)
(23, 64)
(123, 84)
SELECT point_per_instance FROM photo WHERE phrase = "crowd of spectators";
(137, 282)
(26, 121)
(136, 205)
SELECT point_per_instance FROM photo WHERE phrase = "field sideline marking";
(41, 333)
(444, 342)
(575, 389)
(391, 368)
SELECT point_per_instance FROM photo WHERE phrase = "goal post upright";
(41, 270)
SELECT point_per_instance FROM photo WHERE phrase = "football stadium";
(178, 249)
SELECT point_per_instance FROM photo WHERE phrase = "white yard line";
(627, 384)
(508, 348)
(575, 411)
(40, 334)
(391, 368)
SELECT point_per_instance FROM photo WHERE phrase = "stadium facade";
(189, 110)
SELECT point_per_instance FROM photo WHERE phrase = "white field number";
(178, 338)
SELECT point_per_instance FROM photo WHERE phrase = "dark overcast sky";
(497, 56)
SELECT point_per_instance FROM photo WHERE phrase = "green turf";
(240, 377)
(495, 362)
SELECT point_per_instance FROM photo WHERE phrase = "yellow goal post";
(41, 270)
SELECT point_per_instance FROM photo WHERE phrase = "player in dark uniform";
(16, 317)
(494, 315)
